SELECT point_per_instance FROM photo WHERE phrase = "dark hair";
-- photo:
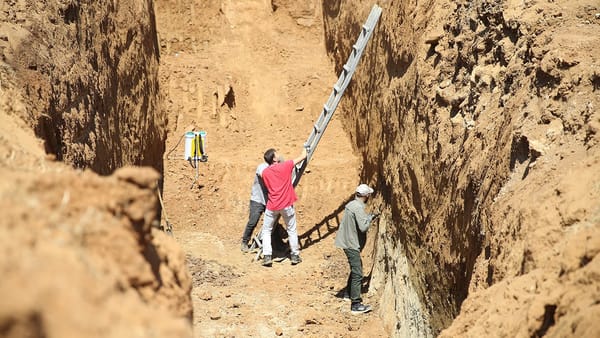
(270, 156)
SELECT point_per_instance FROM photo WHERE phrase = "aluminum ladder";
(338, 90)
(329, 108)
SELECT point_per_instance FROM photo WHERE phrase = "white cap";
(364, 190)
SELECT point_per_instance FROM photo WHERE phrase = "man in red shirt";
(278, 181)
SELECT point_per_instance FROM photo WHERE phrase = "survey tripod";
(329, 107)
(195, 151)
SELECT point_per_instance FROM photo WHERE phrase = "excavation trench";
(280, 85)
(475, 121)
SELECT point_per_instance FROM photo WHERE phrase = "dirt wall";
(89, 74)
(468, 116)
(80, 255)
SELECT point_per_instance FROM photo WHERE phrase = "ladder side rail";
(339, 88)
(329, 108)
(354, 58)
(318, 136)
(347, 76)
(317, 129)
(357, 51)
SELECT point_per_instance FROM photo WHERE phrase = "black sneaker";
(267, 260)
(244, 247)
(359, 308)
(296, 259)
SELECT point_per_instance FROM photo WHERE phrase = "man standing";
(351, 237)
(257, 205)
(281, 197)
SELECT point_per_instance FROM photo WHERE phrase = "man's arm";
(363, 220)
(261, 167)
(301, 157)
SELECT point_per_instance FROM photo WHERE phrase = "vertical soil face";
(89, 72)
(80, 254)
(467, 115)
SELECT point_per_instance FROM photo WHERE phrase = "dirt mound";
(79, 257)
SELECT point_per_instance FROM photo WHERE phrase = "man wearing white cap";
(351, 237)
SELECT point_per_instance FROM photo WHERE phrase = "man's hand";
(301, 158)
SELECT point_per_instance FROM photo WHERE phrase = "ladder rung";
(326, 109)
(366, 28)
(317, 129)
(346, 68)
(336, 89)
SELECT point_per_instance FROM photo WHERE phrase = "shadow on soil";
(324, 228)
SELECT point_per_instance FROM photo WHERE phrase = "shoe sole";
(356, 312)
(359, 312)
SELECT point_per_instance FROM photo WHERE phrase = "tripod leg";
(196, 157)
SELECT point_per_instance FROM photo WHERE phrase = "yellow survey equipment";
(195, 149)
(195, 146)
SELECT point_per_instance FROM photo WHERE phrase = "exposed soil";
(254, 78)
(476, 122)
(463, 133)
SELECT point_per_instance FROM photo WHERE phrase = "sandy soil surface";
(257, 80)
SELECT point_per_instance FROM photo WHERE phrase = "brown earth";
(476, 122)
(277, 86)
(81, 256)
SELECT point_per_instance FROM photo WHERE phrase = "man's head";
(364, 190)
(270, 156)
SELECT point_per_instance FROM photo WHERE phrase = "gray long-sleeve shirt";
(354, 226)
